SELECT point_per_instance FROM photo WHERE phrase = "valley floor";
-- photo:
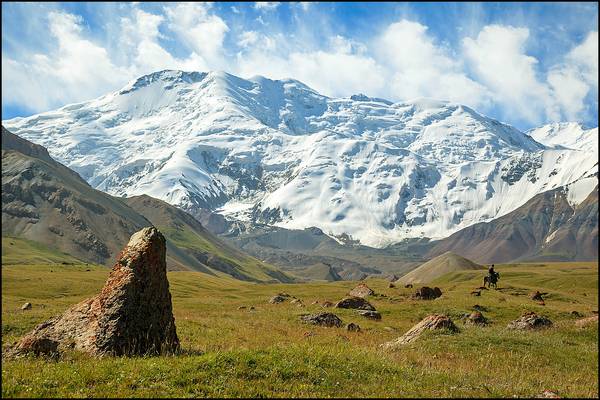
(268, 351)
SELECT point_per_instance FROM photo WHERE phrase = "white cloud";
(585, 58)
(417, 67)
(498, 59)
(202, 32)
(266, 5)
(78, 70)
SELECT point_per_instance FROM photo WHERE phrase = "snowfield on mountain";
(278, 152)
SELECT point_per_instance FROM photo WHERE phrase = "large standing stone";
(357, 303)
(431, 322)
(132, 314)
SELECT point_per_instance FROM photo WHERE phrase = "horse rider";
(493, 274)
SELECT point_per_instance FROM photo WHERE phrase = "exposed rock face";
(323, 319)
(431, 322)
(357, 303)
(132, 315)
(361, 290)
(530, 320)
(427, 293)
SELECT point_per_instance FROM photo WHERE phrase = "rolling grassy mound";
(439, 266)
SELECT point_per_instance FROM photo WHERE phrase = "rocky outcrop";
(356, 303)
(132, 315)
(431, 322)
(530, 320)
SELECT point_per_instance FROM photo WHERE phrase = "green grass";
(269, 351)
(23, 251)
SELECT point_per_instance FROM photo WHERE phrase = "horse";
(491, 280)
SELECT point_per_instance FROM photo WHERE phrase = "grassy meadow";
(268, 351)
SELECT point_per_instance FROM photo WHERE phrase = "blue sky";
(523, 63)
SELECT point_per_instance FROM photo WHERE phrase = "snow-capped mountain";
(278, 152)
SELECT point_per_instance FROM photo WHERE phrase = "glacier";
(280, 153)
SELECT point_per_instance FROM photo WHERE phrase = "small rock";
(352, 327)
(587, 321)
(537, 296)
(548, 394)
(375, 315)
(298, 302)
(392, 278)
(476, 292)
(408, 286)
(315, 302)
(477, 307)
(530, 320)
(427, 293)
(357, 303)
(476, 318)
(391, 285)
(252, 308)
(576, 314)
(323, 319)
(26, 306)
(327, 304)
(389, 329)
(361, 290)
(308, 334)
(241, 307)
(482, 288)
(277, 299)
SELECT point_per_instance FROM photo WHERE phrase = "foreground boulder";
(476, 318)
(356, 303)
(431, 322)
(427, 293)
(323, 319)
(132, 314)
(361, 290)
(530, 320)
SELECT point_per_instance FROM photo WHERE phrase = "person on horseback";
(492, 277)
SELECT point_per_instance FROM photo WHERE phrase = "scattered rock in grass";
(327, 304)
(476, 292)
(352, 327)
(408, 286)
(132, 314)
(390, 329)
(582, 323)
(356, 303)
(530, 320)
(323, 319)
(251, 308)
(431, 322)
(277, 299)
(477, 307)
(308, 334)
(536, 296)
(391, 285)
(392, 278)
(576, 314)
(26, 306)
(361, 290)
(297, 302)
(375, 315)
(482, 288)
(241, 307)
(548, 394)
(476, 318)
(427, 293)
(315, 302)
